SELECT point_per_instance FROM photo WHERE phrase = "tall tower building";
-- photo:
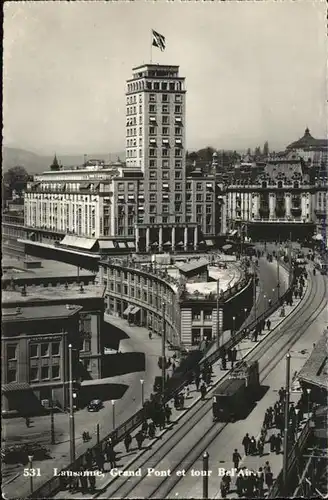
(155, 142)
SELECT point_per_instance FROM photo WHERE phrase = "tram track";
(172, 454)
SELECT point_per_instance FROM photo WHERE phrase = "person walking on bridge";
(246, 443)
(236, 458)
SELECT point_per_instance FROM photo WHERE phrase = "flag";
(158, 40)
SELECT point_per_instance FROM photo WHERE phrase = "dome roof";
(308, 141)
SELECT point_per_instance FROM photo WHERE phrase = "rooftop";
(192, 266)
(307, 141)
(59, 311)
(36, 293)
(14, 268)
(315, 369)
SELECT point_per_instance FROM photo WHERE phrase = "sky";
(255, 71)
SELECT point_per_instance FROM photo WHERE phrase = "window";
(177, 131)
(165, 131)
(188, 185)
(177, 109)
(177, 152)
(11, 375)
(152, 97)
(177, 175)
(152, 209)
(178, 207)
(178, 164)
(178, 197)
(196, 315)
(55, 372)
(34, 374)
(199, 197)
(152, 197)
(165, 108)
(165, 220)
(165, 164)
(207, 315)
(165, 120)
(11, 351)
(165, 175)
(188, 218)
(178, 219)
(165, 209)
(44, 349)
(152, 220)
(156, 86)
(164, 85)
(188, 209)
(55, 348)
(178, 186)
(149, 85)
(153, 186)
(178, 98)
(34, 351)
(199, 186)
(199, 209)
(120, 186)
(165, 98)
(44, 372)
(87, 345)
(165, 152)
(152, 152)
(152, 130)
(152, 163)
(153, 174)
(209, 197)
(152, 108)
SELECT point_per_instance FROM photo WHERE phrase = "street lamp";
(245, 311)
(71, 406)
(308, 401)
(30, 462)
(142, 391)
(233, 325)
(113, 413)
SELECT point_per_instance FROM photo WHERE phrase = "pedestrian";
(272, 441)
(168, 413)
(246, 443)
(223, 364)
(260, 447)
(252, 446)
(268, 476)
(203, 391)
(187, 392)
(278, 444)
(255, 334)
(88, 458)
(92, 482)
(27, 422)
(236, 459)
(127, 442)
(161, 419)
(83, 480)
(268, 323)
(152, 430)
(139, 439)
(260, 482)
(239, 485)
(100, 460)
(270, 304)
(197, 382)
(150, 335)
(144, 427)
(281, 393)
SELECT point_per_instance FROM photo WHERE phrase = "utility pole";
(52, 418)
(285, 456)
(163, 349)
(71, 407)
(205, 475)
(217, 312)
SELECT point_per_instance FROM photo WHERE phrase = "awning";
(317, 237)
(152, 118)
(78, 242)
(131, 244)
(84, 185)
(234, 232)
(209, 185)
(226, 247)
(135, 310)
(104, 244)
(165, 186)
(167, 243)
(209, 243)
(177, 119)
(154, 244)
(15, 386)
(31, 235)
(121, 244)
(180, 244)
(127, 310)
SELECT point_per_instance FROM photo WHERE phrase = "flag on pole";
(158, 40)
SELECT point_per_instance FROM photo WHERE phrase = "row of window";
(151, 85)
(165, 152)
(164, 109)
(36, 350)
(44, 373)
(153, 120)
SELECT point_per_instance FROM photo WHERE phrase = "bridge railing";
(52, 486)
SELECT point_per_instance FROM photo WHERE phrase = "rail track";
(196, 425)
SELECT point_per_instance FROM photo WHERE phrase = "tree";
(266, 149)
(206, 154)
(16, 178)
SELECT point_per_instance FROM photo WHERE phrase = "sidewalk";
(15, 484)
(125, 460)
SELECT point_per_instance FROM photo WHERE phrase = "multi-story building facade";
(283, 193)
(35, 365)
(149, 202)
(310, 149)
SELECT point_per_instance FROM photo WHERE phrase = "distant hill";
(35, 164)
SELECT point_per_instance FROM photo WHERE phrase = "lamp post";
(296, 423)
(265, 301)
(233, 325)
(245, 311)
(205, 475)
(52, 419)
(308, 391)
(163, 349)
(71, 406)
(30, 463)
(142, 391)
(113, 413)
(285, 454)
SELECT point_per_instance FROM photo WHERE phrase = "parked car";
(95, 405)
